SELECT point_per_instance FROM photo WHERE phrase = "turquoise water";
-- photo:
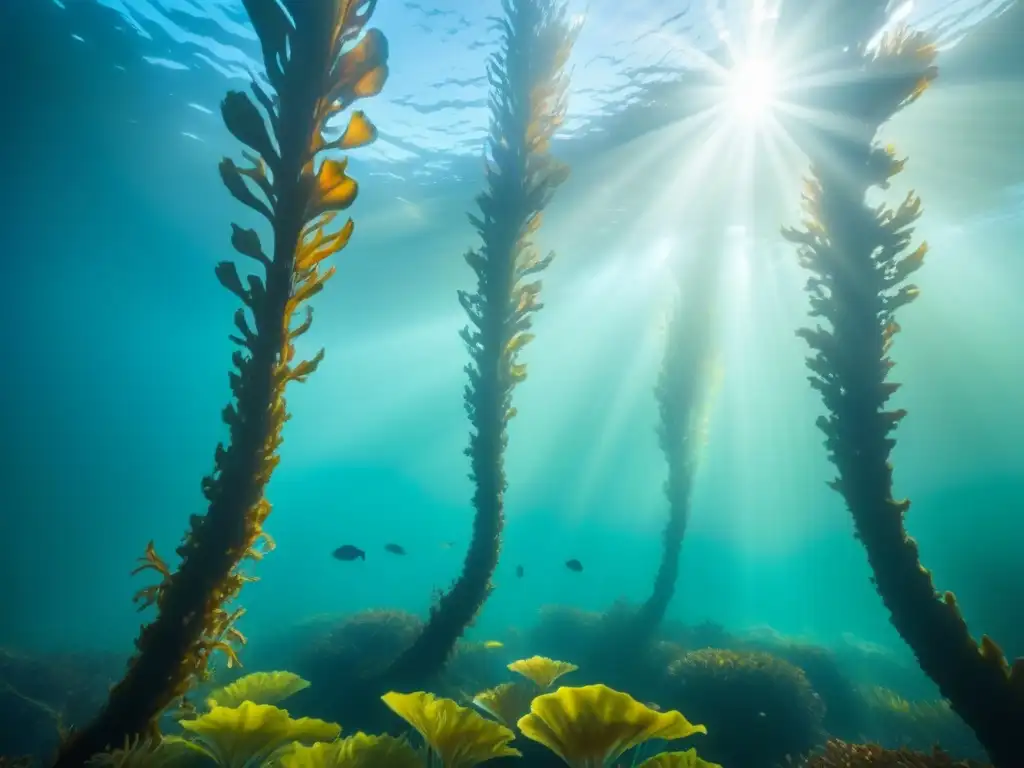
(115, 337)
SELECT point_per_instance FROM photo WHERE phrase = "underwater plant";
(687, 759)
(593, 725)
(856, 254)
(357, 751)
(542, 671)
(683, 394)
(236, 737)
(507, 702)
(259, 688)
(528, 106)
(460, 737)
(758, 709)
(315, 69)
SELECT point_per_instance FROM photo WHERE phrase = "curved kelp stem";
(684, 389)
(527, 106)
(312, 81)
(856, 254)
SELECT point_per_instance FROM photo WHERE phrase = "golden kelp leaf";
(259, 688)
(371, 83)
(461, 737)
(687, 759)
(357, 751)
(359, 132)
(517, 342)
(364, 58)
(594, 725)
(322, 245)
(336, 190)
(250, 733)
(542, 670)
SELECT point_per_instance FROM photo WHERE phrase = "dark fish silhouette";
(394, 549)
(574, 565)
(347, 553)
(519, 571)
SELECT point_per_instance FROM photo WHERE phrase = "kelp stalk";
(527, 106)
(856, 254)
(684, 389)
(311, 82)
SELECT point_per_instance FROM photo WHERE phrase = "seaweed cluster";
(241, 724)
(762, 708)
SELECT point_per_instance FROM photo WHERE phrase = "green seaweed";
(859, 265)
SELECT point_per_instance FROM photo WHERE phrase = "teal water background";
(117, 353)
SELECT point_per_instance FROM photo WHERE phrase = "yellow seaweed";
(357, 751)
(459, 736)
(506, 702)
(259, 688)
(542, 670)
(594, 724)
(236, 737)
(687, 759)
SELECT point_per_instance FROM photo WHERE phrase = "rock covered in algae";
(839, 754)
(758, 708)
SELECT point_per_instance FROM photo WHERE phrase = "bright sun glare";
(752, 89)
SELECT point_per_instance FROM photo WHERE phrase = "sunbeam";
(752, 89)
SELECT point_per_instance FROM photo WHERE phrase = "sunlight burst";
(752, 88)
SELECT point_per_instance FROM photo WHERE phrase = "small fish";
(652, 705)
(348, 553)
(394, 549)
(447, 544)
(519, 571)
(494, 644)
(574, 565)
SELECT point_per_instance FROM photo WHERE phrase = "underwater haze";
(684, 135)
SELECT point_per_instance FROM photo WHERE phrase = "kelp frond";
(318, 62)
(686, 383)
(528, 85)
(859, 258)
